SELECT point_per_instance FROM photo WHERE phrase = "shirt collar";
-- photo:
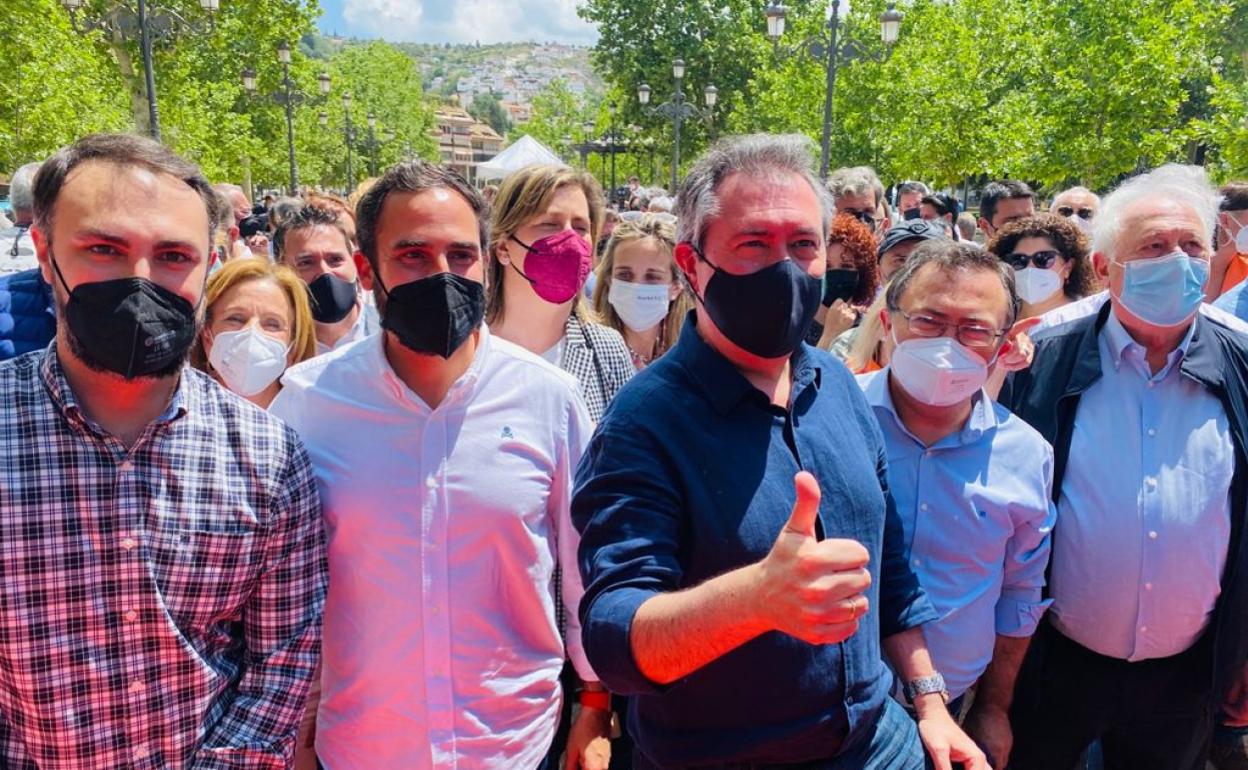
(983, 417)
(1118, 340)
(720, 380)
(398, 390)
(62, 395)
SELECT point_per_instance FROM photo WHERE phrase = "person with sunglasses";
(1079, 205)
(859, 192)
(1050, 260)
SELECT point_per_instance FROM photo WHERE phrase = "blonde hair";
(664, 233)
(302, 330)
(869, 339)
(524, 196)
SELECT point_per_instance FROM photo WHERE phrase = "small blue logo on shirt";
(507, 432)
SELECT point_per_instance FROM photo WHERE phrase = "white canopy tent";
(527, 151)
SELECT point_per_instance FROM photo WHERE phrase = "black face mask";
(129, 326)
(332, 298)
(765, 313)
(434, 315)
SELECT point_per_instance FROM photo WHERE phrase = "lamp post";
(832, 52)
(349, 136)
(125, 23)
(372, 144)
(289, 97)
(678, 110)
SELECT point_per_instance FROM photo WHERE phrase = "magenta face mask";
(557, 265)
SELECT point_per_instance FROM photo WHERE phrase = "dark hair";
(122, 150)
(860, 248)
(943, 203)
(952, 257)
(413, 176)
(305, 218)
(1065, 237)
(1234, 196)
(911, 187)
(995, 192)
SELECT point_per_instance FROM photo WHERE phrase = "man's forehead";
(318, 238)
(748, 202)
(103, 183)
(1155, 214)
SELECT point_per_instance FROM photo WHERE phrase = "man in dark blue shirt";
(742, 557)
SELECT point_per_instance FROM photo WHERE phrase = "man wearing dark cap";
(903, 238)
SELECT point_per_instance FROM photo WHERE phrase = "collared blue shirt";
(1144, 512)
(977, 515)
(690, 475)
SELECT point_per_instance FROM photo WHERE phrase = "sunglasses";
(865, 217)
(1083, 213)
(1041, 259)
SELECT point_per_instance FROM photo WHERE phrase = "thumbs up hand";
(812, 589)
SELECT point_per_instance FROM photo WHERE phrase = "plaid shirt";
(160, 606)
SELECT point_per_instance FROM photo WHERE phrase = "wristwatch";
(925, 685)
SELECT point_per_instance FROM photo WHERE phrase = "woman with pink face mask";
(544, 224)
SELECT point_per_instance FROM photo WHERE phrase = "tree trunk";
(134, 84)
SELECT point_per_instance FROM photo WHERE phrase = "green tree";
(488, 109)
(55, 88)
(557, 119)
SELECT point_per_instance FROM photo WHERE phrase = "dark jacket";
(27, 313)
(1068, 362)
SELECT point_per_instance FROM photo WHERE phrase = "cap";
(911, 230)
(252, 225)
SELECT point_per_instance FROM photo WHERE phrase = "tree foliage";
(488, 109)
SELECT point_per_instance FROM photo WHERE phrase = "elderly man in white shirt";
(445, 460)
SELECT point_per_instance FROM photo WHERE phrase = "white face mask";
(248, 360)
(640, 305)
(1036, 285)
(938, 371)
(1241, 238)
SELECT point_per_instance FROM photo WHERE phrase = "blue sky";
(457, 21)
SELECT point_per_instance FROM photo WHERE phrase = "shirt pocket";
(204, 577)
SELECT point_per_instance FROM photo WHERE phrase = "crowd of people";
(769, 473)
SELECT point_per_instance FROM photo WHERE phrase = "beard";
(95, 362)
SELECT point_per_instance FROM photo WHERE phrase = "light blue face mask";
(1166, 291)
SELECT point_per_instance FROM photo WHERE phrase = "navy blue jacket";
(1068, 362)
(27, 313)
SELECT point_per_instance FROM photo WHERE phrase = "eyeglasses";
(970, 335)
(1041, 259)
(1066, 211)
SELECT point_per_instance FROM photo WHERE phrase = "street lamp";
(372, 144)
(289, 97)
(678, 110)
(322, 118)
(126, 23)
(348, 134)
(832, 52)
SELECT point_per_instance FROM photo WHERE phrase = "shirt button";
(1148, 586)
(1151, 482)
(1143, 629)
(128, 543)
(1152, 431)
(923, 506)
(126, 466)
(136, 686)
(140, 752)
(1152, 535)
(431, 482)
(132, 616)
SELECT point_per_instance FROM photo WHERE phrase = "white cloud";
(468, 21)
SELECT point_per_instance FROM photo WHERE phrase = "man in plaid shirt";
(162, 556)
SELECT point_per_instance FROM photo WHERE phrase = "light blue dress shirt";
(1145, 507)
(977, 512)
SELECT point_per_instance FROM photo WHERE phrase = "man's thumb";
(806, 509)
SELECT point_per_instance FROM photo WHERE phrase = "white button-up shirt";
(441, 647)
(1144, 515)
(366, 324)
